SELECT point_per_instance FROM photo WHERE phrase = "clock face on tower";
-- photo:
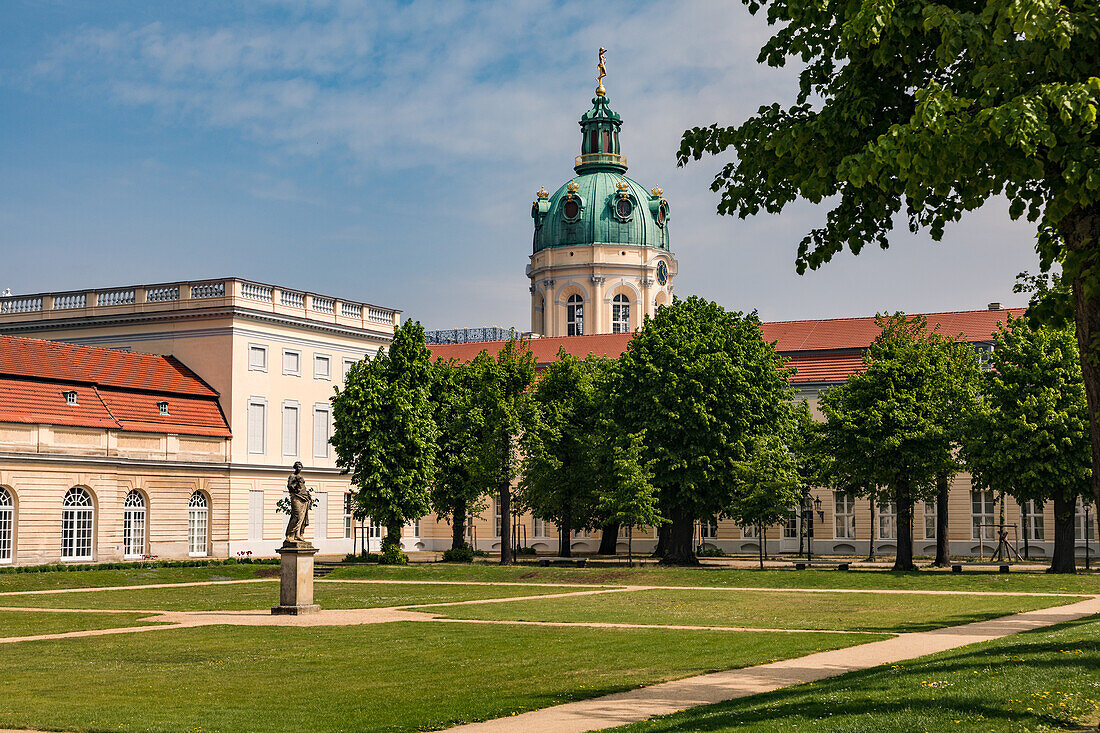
(662, 273)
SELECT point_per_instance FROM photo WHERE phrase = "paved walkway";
(669, 697)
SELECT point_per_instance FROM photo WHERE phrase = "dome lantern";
(600, 132)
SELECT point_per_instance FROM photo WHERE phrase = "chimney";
(994, 306)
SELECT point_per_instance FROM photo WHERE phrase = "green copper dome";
(600, 205)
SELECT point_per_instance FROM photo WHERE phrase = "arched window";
(77, 522)
(7, 525)
(198, 525)
(620, 314)
(574, 315)
(133, 525)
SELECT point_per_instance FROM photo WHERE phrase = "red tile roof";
(117, 390)
(823, 350)
(36, 358)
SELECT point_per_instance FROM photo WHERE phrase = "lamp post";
(1088, 505)
(809, 505)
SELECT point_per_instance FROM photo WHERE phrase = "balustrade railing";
(252, 291)
(70, 300)
(324, 305)
(351, 310)
(379, 315)
(292, 299)
(116, 297)
(162, 295)
(210, 290)
(20, 305)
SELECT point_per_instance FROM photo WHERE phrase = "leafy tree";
(455, 494)
(891, 428)
(502, 408)
(385, 435)
(767, 484)
(703, 385)
(1031, 440)
(629, 499)
(933, 108)
(561, 460)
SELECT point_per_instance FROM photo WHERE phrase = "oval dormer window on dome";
(571, 209)
(623, 208)
(662, 215)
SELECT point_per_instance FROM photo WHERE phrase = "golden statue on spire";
(602, 67)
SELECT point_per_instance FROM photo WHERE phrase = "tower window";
(70, 397)
(162, 407)
(620, 314)
(606, 140)
(571, 209)
(574, 315)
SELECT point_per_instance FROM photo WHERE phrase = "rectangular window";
(349, 515)
(845, 515)
(710, 528)
(538, 527)
(255, 514)
(322, 367)
(375, 529)
(320, 432)
(496, 517)
(750, 531)
(930, 520)
(290, 429)
(1032, 514)
(414, 528)
(982, 514)
(320, 518)
(790, 527)
(887, 520)
(348, 364)
(257, 358)
(257, 426)
(292, 362)
(1081, 528)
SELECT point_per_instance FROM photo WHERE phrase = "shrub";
(459, 554)
(393, 555)
(710, 552)
(525, 550)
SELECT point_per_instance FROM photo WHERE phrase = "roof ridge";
(103, 402)
(871, 318)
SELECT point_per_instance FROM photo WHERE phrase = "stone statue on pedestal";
(301, 499)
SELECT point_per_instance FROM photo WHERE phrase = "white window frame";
(198, 525)
(1031, 517)
(7, 526)
(289, 405)
(260, 402)
(77, 525)
(348, 364)
(538, 527)
(297, 353)
(930, 520)
(260, 349)
(70, 398)
(887, 520)
(1080, 529)
(496, 517)
(844, 516)
(620, 314)
(349, 515)
(318, 409)
(319, 359)
(574, 315)
(709, 528)
(750, 532)
(134, 525)
(791, 525)
(983, 510)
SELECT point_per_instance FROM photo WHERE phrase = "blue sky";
(389, 152)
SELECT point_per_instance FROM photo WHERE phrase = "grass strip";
(386, 677)
(1038, 680)
(37, 623)
(892, 613)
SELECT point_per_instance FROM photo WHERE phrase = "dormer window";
(70, 397)
(163, 407)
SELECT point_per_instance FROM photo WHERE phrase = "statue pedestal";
(296, 580)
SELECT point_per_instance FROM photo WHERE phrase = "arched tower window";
(620, 314)
(198, 525)
(77, 524)
(133, 525)
(574, 315)
(7, 525)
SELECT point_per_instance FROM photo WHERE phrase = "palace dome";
(600, 205)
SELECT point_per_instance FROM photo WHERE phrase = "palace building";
(162, 419)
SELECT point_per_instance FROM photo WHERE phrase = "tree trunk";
(764, 540)
(564, 530)
(1025, 525)
(904, 558)
(662, 540)
(609, 539)
(1064, 511)
(943, 543)
(871, 551)
(679, 550)
(506, 524)
(458, 525)
(1080, 230)
(393, 535)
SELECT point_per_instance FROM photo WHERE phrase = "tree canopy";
(929, 109)
(385, 435)
(703, 385)
(1031, 438)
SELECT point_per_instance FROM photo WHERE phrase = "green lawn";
(35, 623)
(250, 596)
(53, 579)
(763, 609)
(1035, 681)
(387, 677)
(748, 578)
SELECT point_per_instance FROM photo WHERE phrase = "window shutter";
(255, 514)
(320, 433)
(290, 430)
(256, 427)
